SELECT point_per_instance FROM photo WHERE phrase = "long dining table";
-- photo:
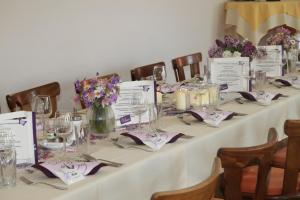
(177, 165)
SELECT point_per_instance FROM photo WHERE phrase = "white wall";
(60, 40)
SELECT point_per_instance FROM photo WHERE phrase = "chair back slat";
(192, 60)
(144, 72)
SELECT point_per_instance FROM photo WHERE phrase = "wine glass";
(139, 105)
(63, 129)
(41, 105)
(159, 74)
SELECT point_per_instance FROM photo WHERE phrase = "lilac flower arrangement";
(233, 47)
(282, 36)
(98, 91)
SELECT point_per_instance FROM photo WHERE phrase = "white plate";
(54, 145)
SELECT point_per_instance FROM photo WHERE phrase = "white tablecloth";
(184, 163)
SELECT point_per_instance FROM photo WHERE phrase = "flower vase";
(101, 120)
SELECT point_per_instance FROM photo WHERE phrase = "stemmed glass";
(159, 75)
(41, 105)
(139, 105)
(63, 129)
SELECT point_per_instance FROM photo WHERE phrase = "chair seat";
(249, 178)
(280, 157)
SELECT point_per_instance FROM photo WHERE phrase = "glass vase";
(101, 120)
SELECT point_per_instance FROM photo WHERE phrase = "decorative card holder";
(21, 127)
(271, 63)
(123, 109)
(235, 72)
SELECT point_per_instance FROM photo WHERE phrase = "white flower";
(293, 42)
(236, 54)
(227, 54)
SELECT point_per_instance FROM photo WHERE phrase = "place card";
(213, 118)
(21, 129)
(289, 81)
(271, 63)
(124, 111)
(69, 171)
(231, 71)
(264, 98)
(153, 140)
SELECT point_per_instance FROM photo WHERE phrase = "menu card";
(271, 63)
(231, 71)
(125, 111)
(20, 128)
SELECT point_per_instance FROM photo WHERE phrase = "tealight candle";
(182, 99)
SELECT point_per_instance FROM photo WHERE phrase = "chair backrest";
(192, 60)
(99, 77)
(21, 99)
(201, 191)
(144, 72)
(234, 160)
(292, 165)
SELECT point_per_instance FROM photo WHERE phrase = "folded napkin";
(169, 88)
(153, 140)
(212, 118)
(262, 98)
(69, 171)
(289, 81)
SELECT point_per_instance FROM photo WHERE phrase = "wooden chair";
(287, 158)
(143, 72)
(246, 170)
(201, 191)
(192, 60)
(22, 101)
(100, 77)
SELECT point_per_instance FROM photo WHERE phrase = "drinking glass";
(139, 105)
(63, 129)
(260, 81)
(292, 62)
(159, 75)
(7, 160)
(42, 107)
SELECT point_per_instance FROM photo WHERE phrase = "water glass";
(260, 80)
(214, 96)
(7, 166)
(292, 62)
(159, 74)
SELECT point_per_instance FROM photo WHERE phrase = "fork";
(127, 146)
(180, 117)
(34, 182)
(108, 162)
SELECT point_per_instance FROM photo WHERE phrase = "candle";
(182, 99)
(159, 98)
(213, 95)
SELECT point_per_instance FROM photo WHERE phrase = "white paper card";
(21, 127)
(124, 107)
(231, 71)
(271, 63)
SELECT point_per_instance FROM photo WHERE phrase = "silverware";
(239, 100)
(180, 117)
(276, 85)
(34, 182)
(127, 146)
(184, 136)
(108, 162)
